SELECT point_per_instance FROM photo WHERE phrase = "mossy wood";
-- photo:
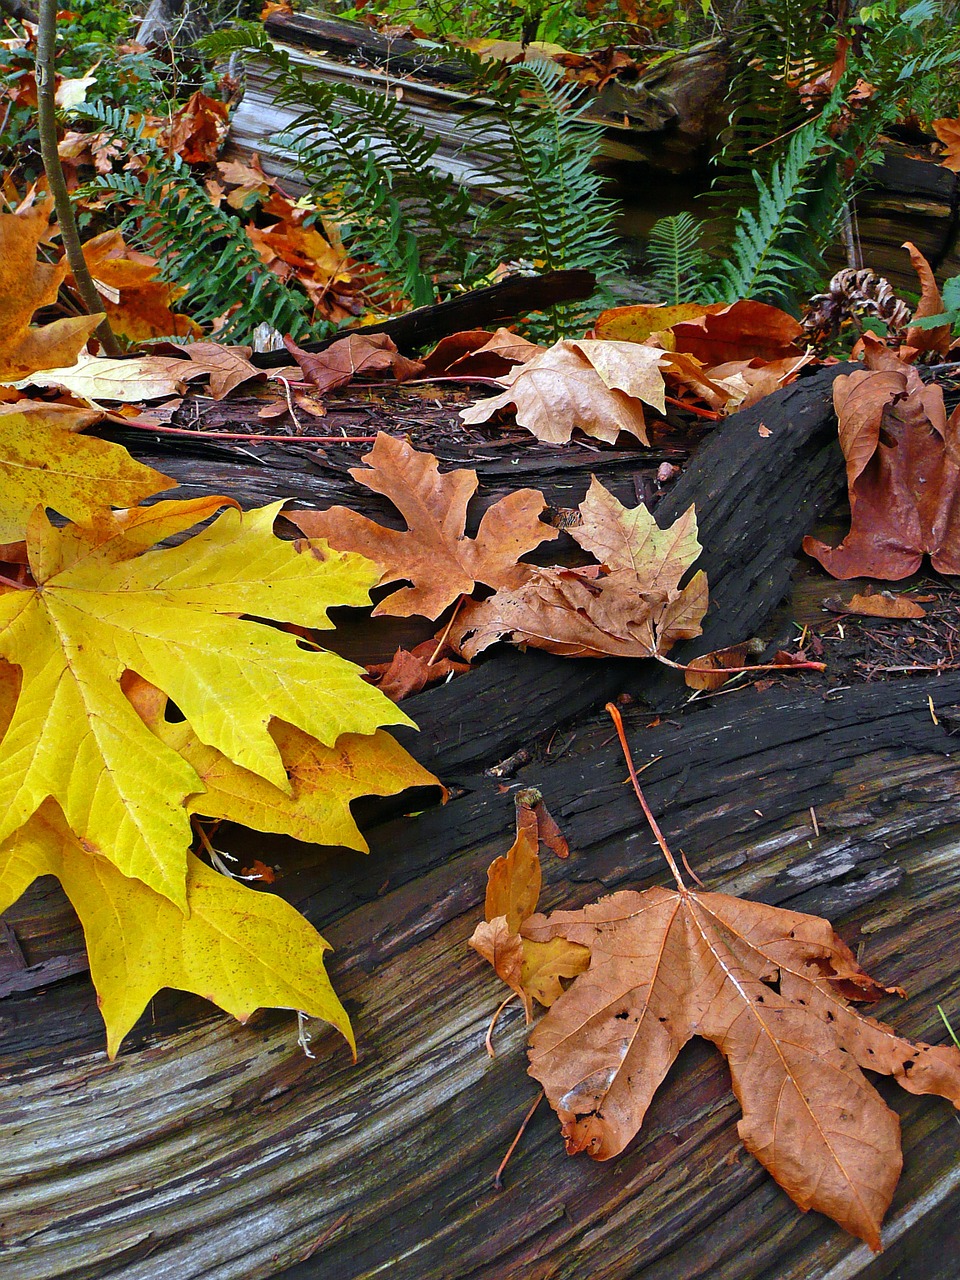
(217, 1151)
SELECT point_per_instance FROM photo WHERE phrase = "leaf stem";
(497, 1181)
(654, 827)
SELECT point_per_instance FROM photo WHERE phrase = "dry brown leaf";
(930, 304)
(596, 386)
(903, 471)
(884, 604)
(477, 352)
(632, 606)
(948, 131)
(358, 355)
(532, 969)
(25, 285)
(769, 988)
(197, 130)
(227, 366)
(432, 553)
(409, 671)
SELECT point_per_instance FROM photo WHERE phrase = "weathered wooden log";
(216, 1151)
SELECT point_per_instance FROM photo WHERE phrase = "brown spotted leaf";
(770, 989)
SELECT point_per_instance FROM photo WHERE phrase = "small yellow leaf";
(44, 463)
(242, 949)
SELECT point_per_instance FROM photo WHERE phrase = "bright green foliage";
(675, 252)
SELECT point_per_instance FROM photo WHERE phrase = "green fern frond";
(675, 251)
(166, 212)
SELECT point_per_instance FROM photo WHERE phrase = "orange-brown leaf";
(25, 285)
(432, 553)
(764, 985)
(930, 304)
(948, 131)
(884, 604)
(358, 355)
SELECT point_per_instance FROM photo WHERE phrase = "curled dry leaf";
(632, 606)
(770, 988)
(903, 469)
(597, 386)
(477, 352)
(930, 304)
(533, 970)
(884, 604)
(228, 367)
(432, 553)
(409, 671)
(358, 355)
(25, 285)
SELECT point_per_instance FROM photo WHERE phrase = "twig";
(249, 436)
(497, 1181)
(446, 631)
(692, 408)
(47, 128)
(324, 1236)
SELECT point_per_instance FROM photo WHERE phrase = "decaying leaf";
(410, 670)
(884, 604)
(240, 948)
(534, 970)
(25, 285)
(771, 988)
(477, 352)
(597, 386)
(105, 604)
(767, 987)
(632, 606)
(357, 355)
(43, 462)
(433, 553)
(717, 333)
(903, 469)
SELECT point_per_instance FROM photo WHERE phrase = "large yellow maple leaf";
(106, 604)
(240, 948)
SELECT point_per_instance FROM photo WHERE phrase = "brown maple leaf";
(357, 355)
(433, 552)
(479, 353)
(771, 989)
(903, 470)
(532, 969)
(631, 606)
